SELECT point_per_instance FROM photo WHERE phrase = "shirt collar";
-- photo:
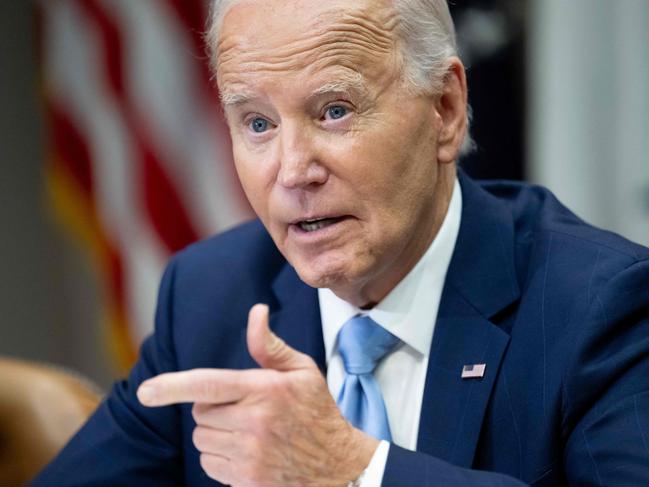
(409, 311)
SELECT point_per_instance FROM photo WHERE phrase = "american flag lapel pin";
(473, 371)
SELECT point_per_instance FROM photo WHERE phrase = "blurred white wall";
(588, 82)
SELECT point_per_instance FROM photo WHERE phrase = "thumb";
(267, 349)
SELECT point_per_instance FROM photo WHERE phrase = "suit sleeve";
(606, 388)
(124, 443)
(406, 468)
(605, 406)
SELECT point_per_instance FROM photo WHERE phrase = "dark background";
(491, 39)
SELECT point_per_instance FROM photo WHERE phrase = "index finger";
(215, 386)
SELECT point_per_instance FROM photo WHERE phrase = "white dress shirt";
(409, 312)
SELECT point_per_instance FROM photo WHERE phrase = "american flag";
(139, 160)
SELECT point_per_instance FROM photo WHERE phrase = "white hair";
(425, 35)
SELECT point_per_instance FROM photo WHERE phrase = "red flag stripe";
(194, 15)
(71, 151)
(70, 146)
(72, 156)
(136, 171)
(164, 207)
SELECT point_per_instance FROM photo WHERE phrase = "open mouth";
(317, 224)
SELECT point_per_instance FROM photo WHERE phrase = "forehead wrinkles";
(347, 38)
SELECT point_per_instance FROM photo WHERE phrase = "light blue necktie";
(362, 343)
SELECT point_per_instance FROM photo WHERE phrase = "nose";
(299, 165)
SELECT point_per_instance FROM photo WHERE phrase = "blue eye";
(336, 111)
(258, 125)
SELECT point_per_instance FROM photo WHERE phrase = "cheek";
(246, 174)
(400, 186)
(390, 173)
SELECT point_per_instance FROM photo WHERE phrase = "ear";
(452, 109)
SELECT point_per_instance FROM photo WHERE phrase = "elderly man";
(426, 330)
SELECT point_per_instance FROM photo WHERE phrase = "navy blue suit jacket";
(557, 310)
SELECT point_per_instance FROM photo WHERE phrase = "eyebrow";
(232, 99)
(352, 83)
(349, 83)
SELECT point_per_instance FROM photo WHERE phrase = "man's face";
(337, 157)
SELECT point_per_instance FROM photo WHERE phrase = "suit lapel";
(453, 408)
(480, 282)
(296, 318)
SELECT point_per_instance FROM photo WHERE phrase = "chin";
(321, 273)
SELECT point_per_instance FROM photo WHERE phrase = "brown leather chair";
(40, 409)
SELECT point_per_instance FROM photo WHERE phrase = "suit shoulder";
(539, 215)
(244, 251)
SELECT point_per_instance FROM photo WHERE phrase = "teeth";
(312, 226)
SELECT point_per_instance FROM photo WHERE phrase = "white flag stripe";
(165, 108)
(143, 264)
(73, 78)
(183, 127)
(74, 75)
(158, 81)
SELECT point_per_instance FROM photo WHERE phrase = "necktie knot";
(363, 343)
